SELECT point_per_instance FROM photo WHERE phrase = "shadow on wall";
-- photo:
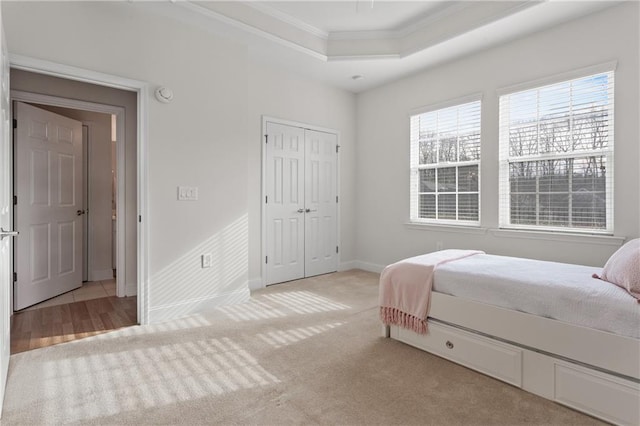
(184, 287)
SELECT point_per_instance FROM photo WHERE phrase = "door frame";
(142, 90)
(263, 206)
(119, 112)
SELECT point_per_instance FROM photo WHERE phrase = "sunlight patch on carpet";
(279, 305)
(280, 338)
(100, 385)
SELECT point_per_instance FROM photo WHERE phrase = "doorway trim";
(141, 88)
(263, 206)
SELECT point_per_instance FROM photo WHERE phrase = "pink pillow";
(623, 268)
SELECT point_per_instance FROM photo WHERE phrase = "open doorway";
(89, 306)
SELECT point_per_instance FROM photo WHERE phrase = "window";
(556, 156)
(445, 165)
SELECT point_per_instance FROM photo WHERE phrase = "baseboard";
(202, 304)
(256, 284)
(100, 274)
(367, 266)
(346, 266)
(131, 289)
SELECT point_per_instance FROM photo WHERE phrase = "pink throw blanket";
(405, 288)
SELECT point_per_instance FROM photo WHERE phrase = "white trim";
(131, 289)
(288, 19)
(201, 304)
(101, 275)
(367, 57)
(251, 29)
(566, 237)
(557, 78)
(364, 35)
(449, 228)
(119, 112)
(86, 201)
(256, 284)
(368, 266)
(430, 19)
(263, 213)
(141, 88)
(347, 266)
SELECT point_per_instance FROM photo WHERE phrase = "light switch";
(187, 193)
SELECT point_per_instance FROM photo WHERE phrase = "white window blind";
(556, 156)
(445, 165)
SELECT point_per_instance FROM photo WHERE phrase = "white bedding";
(554, 290)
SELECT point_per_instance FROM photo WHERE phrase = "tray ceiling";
(332, 41)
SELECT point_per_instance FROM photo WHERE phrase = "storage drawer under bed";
(487, 356)
(602, 395)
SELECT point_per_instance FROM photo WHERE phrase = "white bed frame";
(592, 371)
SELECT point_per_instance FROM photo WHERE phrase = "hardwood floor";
(51, 325)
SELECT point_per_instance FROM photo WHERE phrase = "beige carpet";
(305, 352)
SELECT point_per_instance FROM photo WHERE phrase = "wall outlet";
(439, 245)
(207, 260)
(187, 193)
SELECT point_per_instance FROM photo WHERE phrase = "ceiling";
(362, 15)
(380, 40)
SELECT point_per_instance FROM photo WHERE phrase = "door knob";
(309, 210)
(300, 210)
(79, 212)
(4, 233)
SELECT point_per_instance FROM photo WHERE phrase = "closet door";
(320, 203)
(284, 174)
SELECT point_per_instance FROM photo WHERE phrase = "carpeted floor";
(304, 352)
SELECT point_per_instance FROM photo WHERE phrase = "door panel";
(301, 205)
(49, 192)
(320, 198)
(284, 223)
(6, 170)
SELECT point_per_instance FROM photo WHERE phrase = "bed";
(546, 327)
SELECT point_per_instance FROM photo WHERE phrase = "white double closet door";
(301, 202)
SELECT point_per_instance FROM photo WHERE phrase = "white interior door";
(284, 203)
(321, 246)
(49, 205)
(301, 203)
(6, 242)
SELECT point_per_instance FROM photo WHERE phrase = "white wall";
(209, 136)
(277, 93)
(382, 160)
(200, 139)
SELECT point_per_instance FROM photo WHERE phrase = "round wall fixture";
(164, 95)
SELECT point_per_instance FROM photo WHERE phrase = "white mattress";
(553, 290)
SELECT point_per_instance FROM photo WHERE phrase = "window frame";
(415, 168)
(505, 160)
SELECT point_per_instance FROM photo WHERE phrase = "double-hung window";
(445, 165)
(556, 156)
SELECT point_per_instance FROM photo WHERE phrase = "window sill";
(461, 229)
(607, 240)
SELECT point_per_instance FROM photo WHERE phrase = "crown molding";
(249, 28)
(518, 6)
(288, 19)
